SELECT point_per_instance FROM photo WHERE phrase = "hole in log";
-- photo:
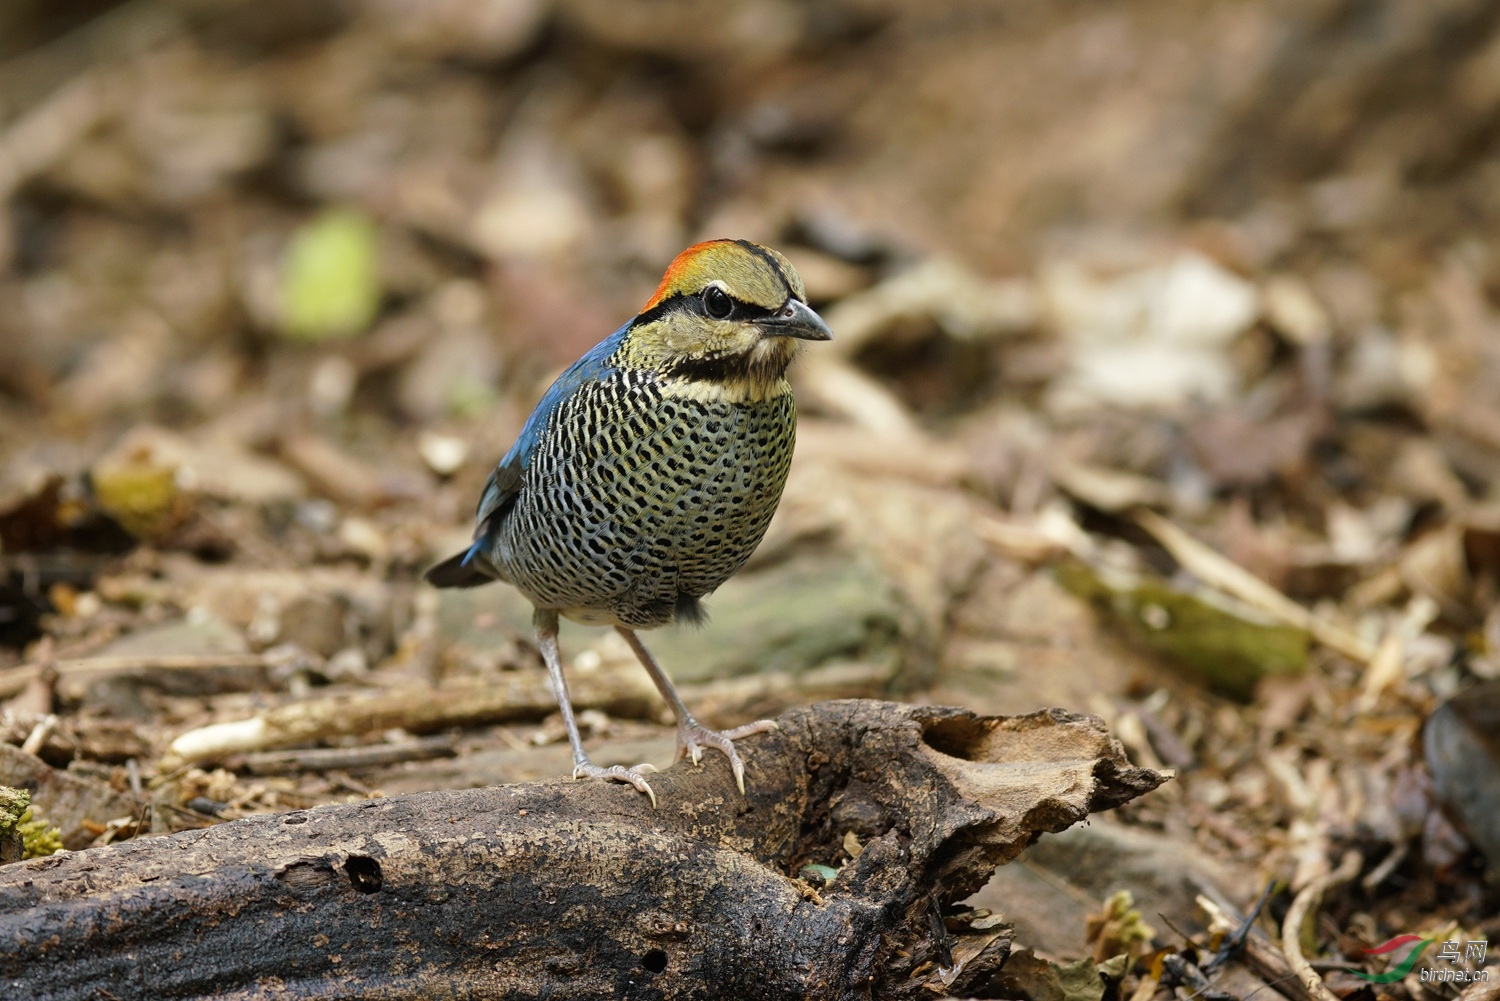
(655, 961)
(960, 737)
(295, 818)
(364, 873)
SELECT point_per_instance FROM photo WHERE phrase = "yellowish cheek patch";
(706, 340)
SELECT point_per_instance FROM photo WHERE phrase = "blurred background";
(1166, 387)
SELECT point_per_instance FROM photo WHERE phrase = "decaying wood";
(580, 890)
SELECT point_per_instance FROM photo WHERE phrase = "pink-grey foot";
(545, 621)
(693, 737)
(583, 768)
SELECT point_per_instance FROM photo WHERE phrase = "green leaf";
(330, 280)
(1226, 643)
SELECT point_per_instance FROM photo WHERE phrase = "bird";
(649, 471)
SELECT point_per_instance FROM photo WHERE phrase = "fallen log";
(581, 890)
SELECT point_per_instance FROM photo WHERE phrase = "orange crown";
(681, 272)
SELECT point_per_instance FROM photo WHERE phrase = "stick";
(1304, 904)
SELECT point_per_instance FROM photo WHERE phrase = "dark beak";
(796, 319)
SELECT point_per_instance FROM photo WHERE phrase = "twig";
(1386, 866)
(347, 758)
(1306, 903)
(1260, 956)
(39, 734)
(1234, 942)
(517, 695)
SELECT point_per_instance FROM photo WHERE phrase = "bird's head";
(727, 314)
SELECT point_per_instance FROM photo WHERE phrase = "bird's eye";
(716, 303)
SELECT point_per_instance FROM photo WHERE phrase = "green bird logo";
(1401, 970)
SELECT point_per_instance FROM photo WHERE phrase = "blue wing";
(505, 482)
(470, 567)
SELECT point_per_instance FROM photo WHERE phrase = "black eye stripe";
(680, 303)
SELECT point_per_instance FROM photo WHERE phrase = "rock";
(197, 635)
(1459, 744)
(791, 617)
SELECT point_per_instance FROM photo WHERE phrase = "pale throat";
(732, 391)
(762, 377)
(739, 366)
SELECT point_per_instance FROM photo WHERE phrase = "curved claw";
(618, 773)
(693, 736)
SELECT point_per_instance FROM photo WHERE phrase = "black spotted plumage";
(650, 471)
(635, 500)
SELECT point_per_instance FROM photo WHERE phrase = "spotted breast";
(638, 502)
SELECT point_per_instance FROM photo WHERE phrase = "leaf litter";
(1168, 392)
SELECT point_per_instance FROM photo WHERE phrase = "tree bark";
(560, 890)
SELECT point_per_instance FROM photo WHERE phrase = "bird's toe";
(759, 726)
(693, 737)
(618, 773)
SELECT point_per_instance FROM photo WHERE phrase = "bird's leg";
(545, 621)
(692, 736)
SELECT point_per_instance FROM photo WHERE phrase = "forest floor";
(1168, 390)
